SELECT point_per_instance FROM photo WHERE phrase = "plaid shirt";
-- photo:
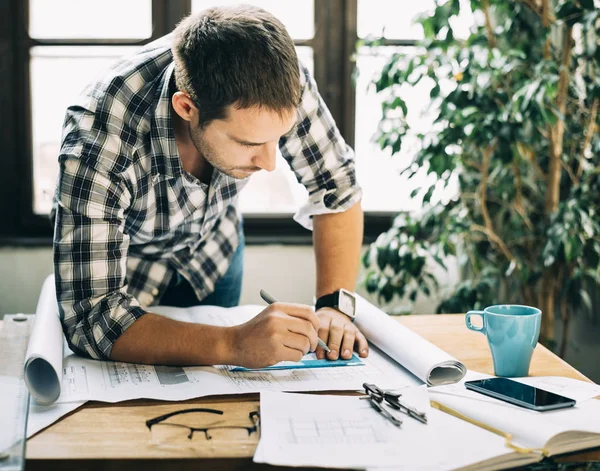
(128, 216)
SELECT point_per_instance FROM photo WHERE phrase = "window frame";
(333, 46)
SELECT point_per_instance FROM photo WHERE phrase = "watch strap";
(328, 300)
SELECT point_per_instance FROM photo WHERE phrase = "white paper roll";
(419, 356)
(43, 361)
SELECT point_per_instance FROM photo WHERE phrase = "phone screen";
(519, 391)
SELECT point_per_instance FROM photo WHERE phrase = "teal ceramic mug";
(512, 332)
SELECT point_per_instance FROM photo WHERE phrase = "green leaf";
(366, 258)
(469, 111)
(586, 299)
(548, 115)
(587, 4)
(428, 194)
(382, 259)
(387, 292)
(372, 282)
(439, 261)
(570, 13)
(570, 249)
(399, 102)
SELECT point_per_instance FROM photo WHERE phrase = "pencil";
(270, 300)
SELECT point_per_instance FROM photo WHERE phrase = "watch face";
(347, 303)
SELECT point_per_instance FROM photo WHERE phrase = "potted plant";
(516, 136)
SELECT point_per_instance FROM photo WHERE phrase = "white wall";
(287, 272)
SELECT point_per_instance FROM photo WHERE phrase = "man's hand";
(282, 332)
(340, 335)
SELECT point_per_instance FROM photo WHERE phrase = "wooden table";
(114, 436)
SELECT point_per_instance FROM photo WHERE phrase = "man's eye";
(246, 145)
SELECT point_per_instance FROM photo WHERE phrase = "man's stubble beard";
(211, 156)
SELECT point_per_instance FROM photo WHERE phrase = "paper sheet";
(109, 381)
(569, 387)
(41, 416)
(345, 432)
(54, 378)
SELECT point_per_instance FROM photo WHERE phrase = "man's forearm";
(154, 339)
(337, 240)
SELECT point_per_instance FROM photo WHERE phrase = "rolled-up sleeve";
(90, 245)
(320, 158)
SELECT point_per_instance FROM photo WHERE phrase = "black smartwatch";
(342, 300)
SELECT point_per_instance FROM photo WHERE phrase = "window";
(53, 49)
(376, 168)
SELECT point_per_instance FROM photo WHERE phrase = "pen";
(270, 300)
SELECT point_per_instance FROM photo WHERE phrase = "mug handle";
(471, 326)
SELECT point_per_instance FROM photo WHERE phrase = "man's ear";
(184, 106)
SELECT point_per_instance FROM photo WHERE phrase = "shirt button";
(155, 292)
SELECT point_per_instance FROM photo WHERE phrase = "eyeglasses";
(193, 427)
(377, 397)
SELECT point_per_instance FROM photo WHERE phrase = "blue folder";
(307, 361)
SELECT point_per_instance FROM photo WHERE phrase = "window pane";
(70, 19)
(401, 15)
(305, 54)
(297, 16)
(58, 74)
(377, 171)
(398, 20)
(277, 191)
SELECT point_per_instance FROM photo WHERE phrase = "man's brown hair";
(241, 56)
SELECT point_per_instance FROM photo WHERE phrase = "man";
(154, 155)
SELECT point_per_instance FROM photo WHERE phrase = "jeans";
(227, 290)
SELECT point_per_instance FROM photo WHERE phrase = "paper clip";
(377, 396)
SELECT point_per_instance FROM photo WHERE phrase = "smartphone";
(520, 394)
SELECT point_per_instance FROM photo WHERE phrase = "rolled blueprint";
(43, 361)
(423, 359)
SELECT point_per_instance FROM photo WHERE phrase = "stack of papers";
(345, 432)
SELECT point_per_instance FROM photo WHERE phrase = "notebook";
(529, 435)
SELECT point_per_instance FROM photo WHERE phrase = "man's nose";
(266, 156)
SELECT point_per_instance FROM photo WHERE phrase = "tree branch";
(545, 13)
(588, 138)
(470, 163)
(537, 8)
(488, 24)
(570, 172)
(485, 167)
(523, 239)
(488, 228)
(519, 207)
(493, 237)
(557, 131)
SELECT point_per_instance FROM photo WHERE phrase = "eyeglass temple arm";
(151, 422)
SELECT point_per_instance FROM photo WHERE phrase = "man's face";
(245, 141)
